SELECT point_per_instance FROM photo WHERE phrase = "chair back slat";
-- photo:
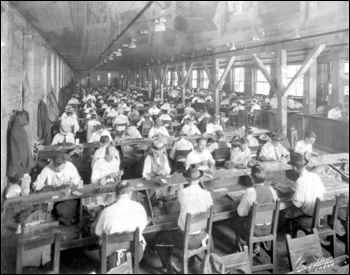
(125, 268)
(237, 261)
(303, 250)
(324, 208)
(222, 154)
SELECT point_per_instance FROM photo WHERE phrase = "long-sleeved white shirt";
(142, 120)
(99, 153)
(196, 158)
(49, 177)
(158, 131)
(181, 145)
(153, 111)
(59, 138)
(212, 128)
(302, 148)
(239, 157)
(123, 216)
(308, 188)
(272, 152)
(193, 199)
(103, 168)
(334, 114)
(152, 169)
(191, 130)
(71, 121)
(121, 119)
(95, 137)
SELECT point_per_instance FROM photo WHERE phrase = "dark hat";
(193, 173)
(191, 119)
(220, 133)
(298, 159)
(159, 122)
(182, 134)
(276, 137)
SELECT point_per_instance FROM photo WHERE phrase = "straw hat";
(157, 147)
(182, 134)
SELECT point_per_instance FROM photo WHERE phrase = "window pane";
(239, 74)
(175, 79)
(194, 78)
(260, 77)
(347, 67)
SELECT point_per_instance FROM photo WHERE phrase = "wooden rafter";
(306, 65)
(227, 69)
(189, 72)
(265, 73)
(210, 76)
(164, 74)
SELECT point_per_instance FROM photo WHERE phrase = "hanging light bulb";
(125, 45)
(119, 53)
(132, 44)
(233, 47)
(160, 26)
(209, 49)
(144, 31)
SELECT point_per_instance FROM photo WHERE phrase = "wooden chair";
(322, 209)
(345, 221)
(128, 240)
(221, 155)
(257, 117)
(242, 118)
(125, 268)
(191, 219)
(301, 250)
(120, 132)
(238, 261)
(36, 242)
(262, 212)
(181, 154)
(145, 129)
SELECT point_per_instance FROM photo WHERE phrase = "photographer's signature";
(318, 265)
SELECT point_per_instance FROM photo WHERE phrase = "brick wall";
(31, 54)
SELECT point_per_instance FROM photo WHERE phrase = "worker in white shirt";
(156, 163)
(241, 155)
(220, 143)
(73, 100)
(274, 150)
(192, 199)
(99, 131)
(274, 102)
(204, 115)
(290, 102)
(154, 111)
(101, 152)
(305, 146)
(308, 188)
(65, 136)
(238, 107)
(335, 113)
(190, 129)
(165, 107)
(120, 119)
(69, 109)
(252, 141)
(71, 121)
(106, 169)
(297, 105)
(146, 119)
(214, 126)
(165, 118)
(201, 156)
(132, 133)
(157, 99)
(125, 215)
(262, 195)
(59, 172)
(182, 145)
(158, 130)
(255, 107)
(189, 110)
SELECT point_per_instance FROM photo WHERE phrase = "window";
(168, 79)
(205, 82)
(262, 86)
(298, 89)
(194, 78)
(176, 80)
(239, 80)
(346, 68)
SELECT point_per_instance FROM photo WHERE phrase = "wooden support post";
(162, 80)
(337, 78)
(207, 71)
(310, 89)
(150, 82)
(281, 118)
(183, 88)
(216, 87)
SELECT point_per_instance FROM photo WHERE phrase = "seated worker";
(139, 104)
(238, 107)
(260, 194)
(100, 131)
(165, 107)
(112, 112)
(71, 121)
(182, 145)
(58, 172)
(200, 156)
(204, 115)
(122, 216)
(305, 146)
(132, 133)
(73, 100)
(90, 113)
(158, 130)
(133, 113)
(241, 155)
(172, 110)
(252, 141)
(89, 105)
(157, 99)
(101, 152)
(297, 105)
(290, 102)
(274, 102)
(308, 187)
(69, 109)
(190, 128)
(65, 136)
(335, 113)
(106, 169)
(156, 163)
(192, 199)
(255, 107)
(274, 150)
(120, 119)
(90, 126)
(165, 117)
(214, 126)
(221, 142)
(189, 110)
(154, 111)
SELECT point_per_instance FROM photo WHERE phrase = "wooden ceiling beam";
(306, 65)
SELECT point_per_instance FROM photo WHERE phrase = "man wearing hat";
(156, 163)
(158, 130)
(200, 156)
(182, 145)
(193, 200)
(190, 128)
(68, 109)
(308, 187)
(214, 126)
(65, 135)
(274, 150)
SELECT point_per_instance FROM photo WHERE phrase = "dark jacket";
(20, 158)
(44, 124)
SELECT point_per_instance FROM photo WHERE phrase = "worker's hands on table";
(241, 166)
